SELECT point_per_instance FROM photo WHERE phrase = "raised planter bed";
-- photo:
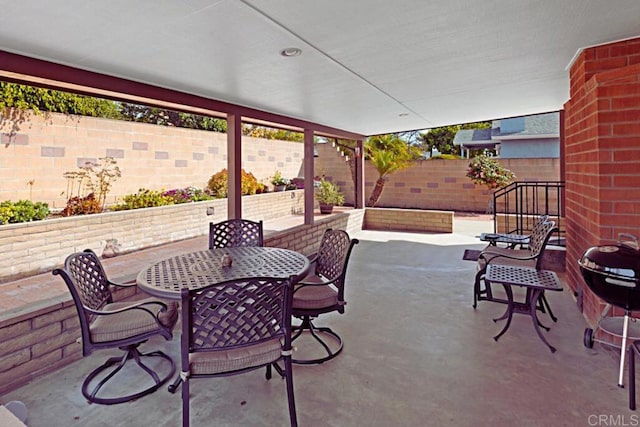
(39, 246)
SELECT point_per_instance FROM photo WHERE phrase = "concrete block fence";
(149, 156)
(430, 184)
(159, 157)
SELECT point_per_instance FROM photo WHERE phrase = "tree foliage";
(271, 133)
(17, 99)
(388, 154)
(441, 138)
(24, 97)
(164, 117)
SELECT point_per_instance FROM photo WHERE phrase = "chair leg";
(633, 349)
(175, 384)
(267, 375)
(116, 364)
(185, 402)
(476, 289)
(545, 305)
(480, 294)
(290, 396)
(307, 326)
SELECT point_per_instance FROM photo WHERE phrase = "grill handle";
(628, 239)
(618, 282)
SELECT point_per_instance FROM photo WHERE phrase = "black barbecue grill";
(612, 272)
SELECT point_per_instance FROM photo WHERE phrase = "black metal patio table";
(536, 282)
(195, 270)
(511, 240)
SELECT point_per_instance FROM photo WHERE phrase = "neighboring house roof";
(537, 126)
(474, 137)
(525, 127)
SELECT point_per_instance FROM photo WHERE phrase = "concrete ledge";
(408, 220)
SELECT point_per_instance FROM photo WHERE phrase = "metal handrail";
(521, 202)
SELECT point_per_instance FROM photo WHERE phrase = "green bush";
(217, 184)
(22, 211)
(6, 212)
(445, 157)
(144, 198)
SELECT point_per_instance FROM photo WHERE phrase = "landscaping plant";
(218, 184)
(144, 198)
(488, 171)
(22, 211)
(91, 184)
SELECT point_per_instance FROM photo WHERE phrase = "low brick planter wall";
(40, 246)
(408, 220)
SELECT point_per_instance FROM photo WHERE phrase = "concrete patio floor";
(416, 354)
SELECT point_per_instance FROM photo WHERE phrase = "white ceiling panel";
(366, 66)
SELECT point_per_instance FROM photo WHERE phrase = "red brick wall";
(602, 155)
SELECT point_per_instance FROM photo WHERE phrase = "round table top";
(196, 270)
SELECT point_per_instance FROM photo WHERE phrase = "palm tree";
(388, 153)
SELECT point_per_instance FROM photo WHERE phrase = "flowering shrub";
(187, 195)
(488, 171)
(146, 198)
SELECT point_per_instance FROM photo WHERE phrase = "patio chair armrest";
(489, 256)
(143, 306)
(301, 285)
(124, 283)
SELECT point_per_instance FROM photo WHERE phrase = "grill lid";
(620, 261)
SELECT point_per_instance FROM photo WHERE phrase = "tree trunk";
(377, 191)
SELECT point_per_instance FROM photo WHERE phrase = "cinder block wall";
(158, 157)
(149, 156)
(430, 184)
(602, 149)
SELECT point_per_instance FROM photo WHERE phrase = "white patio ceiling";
(367, 66)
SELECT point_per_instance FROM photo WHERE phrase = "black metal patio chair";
(234, 327)
(235, 232)
(531, 256)
(106, 324)
(513, 240)
(323, 292)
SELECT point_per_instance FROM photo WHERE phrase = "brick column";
(602, 155)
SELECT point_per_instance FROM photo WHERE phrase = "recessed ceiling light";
(290, 52)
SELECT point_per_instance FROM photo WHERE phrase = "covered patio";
(416, 353)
